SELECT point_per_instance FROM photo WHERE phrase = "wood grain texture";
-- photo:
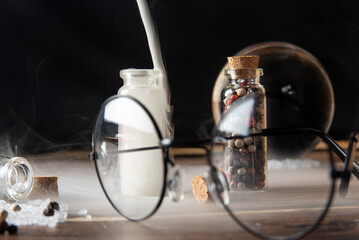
(184, 220)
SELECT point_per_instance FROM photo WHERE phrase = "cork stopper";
(238, 62)
(243, 67)
(44, 187)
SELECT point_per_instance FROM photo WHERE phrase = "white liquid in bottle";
(141, 171)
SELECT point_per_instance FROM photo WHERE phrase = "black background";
(59, 60)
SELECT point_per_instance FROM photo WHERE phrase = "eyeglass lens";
(132, 180)
(265, 194)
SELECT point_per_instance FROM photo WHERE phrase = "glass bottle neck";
(140, 82)
(140, 78)
(244, 75)
(251, 81)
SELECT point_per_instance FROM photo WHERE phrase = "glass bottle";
(145, 166)
(246, 157)
(16, 178)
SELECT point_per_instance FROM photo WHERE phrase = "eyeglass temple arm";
(325, 137)
(192, 145)
(195, 145)
(348, 165)
(94, 155)
(164, 144)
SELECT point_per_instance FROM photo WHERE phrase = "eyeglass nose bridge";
(175, 176)
(175, 183)
(217, 185)
(348, 165)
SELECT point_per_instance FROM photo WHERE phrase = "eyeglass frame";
(350, 166)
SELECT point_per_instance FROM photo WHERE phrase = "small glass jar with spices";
(245, 155)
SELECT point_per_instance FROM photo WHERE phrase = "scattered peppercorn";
(15, 207)
(3, 215)
(54, 205)
(3, 227)
(12, 229)
(48, 212)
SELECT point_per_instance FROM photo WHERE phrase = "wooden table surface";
(188, 219)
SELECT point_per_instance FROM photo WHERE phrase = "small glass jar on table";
(16, 178)
(246, 156)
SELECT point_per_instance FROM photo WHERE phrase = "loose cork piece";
(44, 187)
(200, 189)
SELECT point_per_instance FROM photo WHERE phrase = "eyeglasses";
(134, 167)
